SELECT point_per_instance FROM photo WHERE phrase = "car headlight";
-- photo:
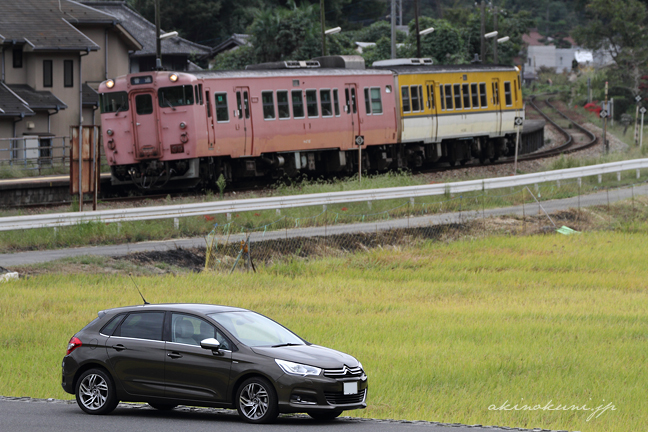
(297, 369)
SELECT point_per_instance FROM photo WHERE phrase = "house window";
(68, 73)
(17, 58)
(47, 73)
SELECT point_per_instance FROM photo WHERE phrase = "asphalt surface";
(600, 198)
(24, 414)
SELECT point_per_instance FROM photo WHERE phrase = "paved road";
(55, 415)
(600, 198)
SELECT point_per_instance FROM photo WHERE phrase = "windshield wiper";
(119, 109)
(286, 344)
(169, 103)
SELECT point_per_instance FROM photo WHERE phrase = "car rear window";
(142, 325)
(109, 328)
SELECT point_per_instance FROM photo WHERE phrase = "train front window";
(176, 96)
(144, 104)
(114, 102)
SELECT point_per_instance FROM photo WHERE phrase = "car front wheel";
(256, 401)
(95, 392)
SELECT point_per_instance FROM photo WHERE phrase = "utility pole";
(323, 28)
(418, 35)
(393, 28)
(158, 42)
(495, 38)
(605, 141)
(483, 30)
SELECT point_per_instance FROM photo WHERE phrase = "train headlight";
(110, 83)
(173, 77)
(183, 125)
(109, 132)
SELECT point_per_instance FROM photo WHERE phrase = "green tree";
(446, 45)
(618, 28)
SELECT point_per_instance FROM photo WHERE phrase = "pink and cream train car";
(179, 129)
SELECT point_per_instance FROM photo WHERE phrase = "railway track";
(572, 139)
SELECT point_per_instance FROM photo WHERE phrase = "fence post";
(176, 223)
(524, 209)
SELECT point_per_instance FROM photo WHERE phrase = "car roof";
(175, 307)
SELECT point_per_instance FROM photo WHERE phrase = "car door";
(136, 353)
(191, 372)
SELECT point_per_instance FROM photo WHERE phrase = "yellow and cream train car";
(453, 113)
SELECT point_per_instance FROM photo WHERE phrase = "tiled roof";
(49, 24)
(235, 41)
(90, 97)
(11, 105)
(144, 31)
(37, 99)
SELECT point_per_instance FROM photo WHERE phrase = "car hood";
(312, 355)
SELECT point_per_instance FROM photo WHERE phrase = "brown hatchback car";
(206, 355)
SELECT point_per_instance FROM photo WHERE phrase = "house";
(49, 51)
(178, 53)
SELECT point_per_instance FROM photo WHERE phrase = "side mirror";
(210, 343)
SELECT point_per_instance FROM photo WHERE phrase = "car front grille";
(337, 398)
(343, 372)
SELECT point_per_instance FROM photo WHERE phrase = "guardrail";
(283, 202)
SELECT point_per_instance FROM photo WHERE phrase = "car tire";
(162, 407)
(256, 401)
(95, 392)
(324, 415)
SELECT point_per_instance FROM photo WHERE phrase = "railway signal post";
(519, 121)
(642, 111)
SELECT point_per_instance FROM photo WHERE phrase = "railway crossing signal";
(519, 121)
(603, 114)
(638, 98)
(642, 110)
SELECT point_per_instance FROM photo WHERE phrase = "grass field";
(445, 331)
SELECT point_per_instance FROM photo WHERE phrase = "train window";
(246, 104)
(200, 93)
(222, 112)
(209, 114)
(268, 105)
(239, 106)
(114, 102)
(144, 104)
(465, 92)
(475, 95)
(336, 102)
(507, 93)
(448, 96)
(367, 101)
(430, 95)
(298, 104)
(405, 99)
(311, 103)
(441, 97)
(482, 95)
(416, 106)
(282, 104)
(457, 96)
(176, 96)
(376, 102)
(496, 99)
(354, 104)
(515, 89)
(325, 101)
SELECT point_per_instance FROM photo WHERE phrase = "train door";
(209, 112)
(431, 107)
(352, 111)
(497, 107)
(145, 128)
(243, 119)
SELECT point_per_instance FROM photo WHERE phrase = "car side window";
(109, 328)
(142, 325)
(190, 330)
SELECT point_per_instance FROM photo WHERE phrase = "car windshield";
(255, 330)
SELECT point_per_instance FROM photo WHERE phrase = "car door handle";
(119, 347)
(174, 355)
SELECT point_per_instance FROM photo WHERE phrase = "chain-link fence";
(249, 240)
